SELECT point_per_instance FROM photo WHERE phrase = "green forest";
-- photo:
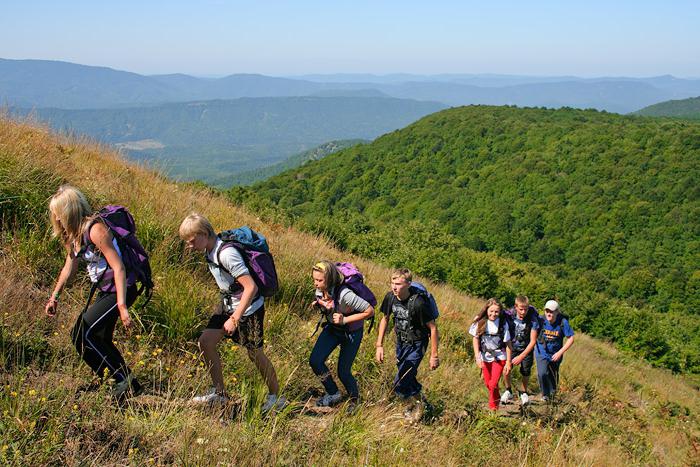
(595, 209)
(297, 160)
(682, 108)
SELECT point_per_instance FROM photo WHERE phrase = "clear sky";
(220, 37)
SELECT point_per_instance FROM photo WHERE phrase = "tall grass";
(614, 409)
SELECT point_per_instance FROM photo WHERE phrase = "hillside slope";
(682, 108)
(603, 208)
(614, 410)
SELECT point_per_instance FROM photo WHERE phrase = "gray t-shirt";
(231, 259)
(349, 303)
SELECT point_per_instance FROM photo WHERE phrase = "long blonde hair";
(482, 317)
(69, 213)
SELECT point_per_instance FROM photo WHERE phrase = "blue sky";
(219, 37)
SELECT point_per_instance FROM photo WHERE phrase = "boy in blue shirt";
(524, 324)
(551, 347)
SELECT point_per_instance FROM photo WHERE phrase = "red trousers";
(492, 374)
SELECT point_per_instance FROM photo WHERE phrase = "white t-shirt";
(232, 260)
(96, 263)
(489, 355)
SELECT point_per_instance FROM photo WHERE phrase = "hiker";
(414, 323)
(344, 311)
(550, 348)
(85, 234)
(240, 313)
(492, 348)
(523, 324)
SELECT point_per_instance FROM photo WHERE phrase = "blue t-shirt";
(551, 336)
(520, 329)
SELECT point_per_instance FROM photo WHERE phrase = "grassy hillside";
(615, 410)
(683, 108)
(602, 209)
(212, 140)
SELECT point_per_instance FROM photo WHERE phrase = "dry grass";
(615, 410)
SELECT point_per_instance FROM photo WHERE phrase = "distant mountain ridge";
(39, 83)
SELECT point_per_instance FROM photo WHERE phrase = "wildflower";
(43, 399)
(13, 393)
(55, 333)
(141, 362)
(202, 441)
(189, 375)
(222, 450)
(159, 350)
(75, 406)
(32, 392)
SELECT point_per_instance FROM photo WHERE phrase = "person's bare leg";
(208, 341)
(526, 380)
(266, 369)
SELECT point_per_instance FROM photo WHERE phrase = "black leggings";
(93, 332)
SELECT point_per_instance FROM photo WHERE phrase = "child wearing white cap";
(551, 347)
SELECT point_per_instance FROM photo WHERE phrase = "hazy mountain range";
(213, 140)
(39, 83)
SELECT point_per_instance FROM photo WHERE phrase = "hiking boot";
(329, 400)
(274, 402)
(507, 397)
(129, 387)
(524, 399)
(418, 411)
(212, 397)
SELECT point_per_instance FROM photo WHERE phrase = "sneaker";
(506, 397)
(274, 402)
(329, 400)
(211, 398)
(524, 399)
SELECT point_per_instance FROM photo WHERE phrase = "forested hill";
(683, 108)
(604, 208)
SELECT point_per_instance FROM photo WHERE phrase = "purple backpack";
(256, 255)
(353, 279)
(123, 228)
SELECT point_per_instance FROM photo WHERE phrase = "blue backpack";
(421, 290)
(256, 255)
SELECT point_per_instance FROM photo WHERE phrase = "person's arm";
(434, 337)
(250, 289)
(533, 340)
(509, 354)
(354, 302)
(102, 238)
(477, 354)
(557, 355)
(339, 318)
(67, 272)
(383, 324)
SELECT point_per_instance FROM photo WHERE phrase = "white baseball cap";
(551, 305)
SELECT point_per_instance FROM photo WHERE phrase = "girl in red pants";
(492, 347)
